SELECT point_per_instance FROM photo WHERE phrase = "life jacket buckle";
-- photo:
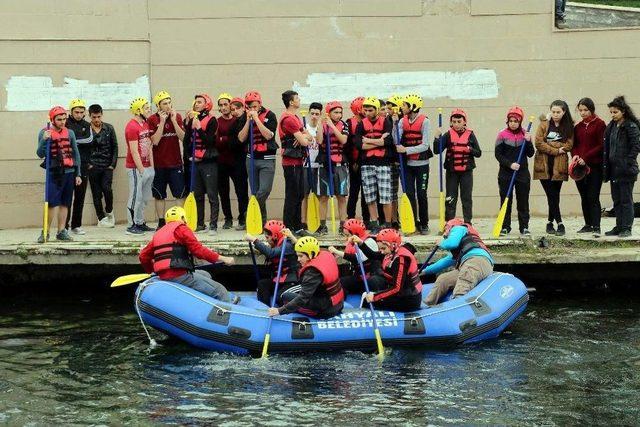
(302, 326)
(414, 322)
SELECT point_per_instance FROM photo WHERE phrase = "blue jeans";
(560, 5)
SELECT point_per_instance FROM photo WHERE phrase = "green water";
(79, 360)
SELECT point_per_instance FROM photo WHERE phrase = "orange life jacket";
(60, 150)
(260, 144)
(412, 135)
(374, 131)
(200, 148)
(411, 284)
(168, 253)
(459, 152)
(336, 148)
(326, 264)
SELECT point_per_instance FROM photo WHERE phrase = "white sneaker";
(104, 223)
(112, 219)
(78, 230)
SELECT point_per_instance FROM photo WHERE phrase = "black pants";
(355, 186)
(265, 290)
(353, 284)
(521, 193)
(400, 303)
(589, 189)
(74, 215)
(552, 190)
(293, 196)
(100, 180)
(238, 174)
(622, 195)
(417, 178)
(206, 181)
(464, 182)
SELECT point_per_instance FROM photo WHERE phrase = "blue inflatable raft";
(207, 323)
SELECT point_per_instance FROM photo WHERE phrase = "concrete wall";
(192, 46)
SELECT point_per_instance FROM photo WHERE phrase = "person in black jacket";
(102, 162)
(621, 148)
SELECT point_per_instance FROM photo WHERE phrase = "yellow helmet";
(175, 213)
(136, 105)
(161, 96)
(308, 245)
(371, 101)
(395, 100)
(414, 101)
(75, 103)
(225, 95)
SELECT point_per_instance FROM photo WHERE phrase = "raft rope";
(152, 342)
(222, 310)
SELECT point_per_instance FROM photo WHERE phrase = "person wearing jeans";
(560, 14)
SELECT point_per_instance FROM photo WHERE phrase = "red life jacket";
(411, 284)
(374, 131)
(412, 135)
(60, 151)
(290, 265)
(289, 148)
(336, 149)
(370, 266)
(459, 152)
(470, 241)
(260, 144)
(200, 147)
(168, 253)
(326, 264)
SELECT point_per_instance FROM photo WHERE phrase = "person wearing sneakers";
(84, 139)
(319, 293)
(102, 162)
(338, 131)
(265, 146)
(373, 139)
(139, 165)
(413, 131)
(273, 233)
(469, 256)
(352, 155)
(508, 145)
(311, 165)
(63, 169)
(200, 130)
(167, 130)
(170, 255)
(393, 113)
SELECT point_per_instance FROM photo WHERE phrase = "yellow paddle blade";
(192, 211)
(265, 347)
(497, 227)
(45, 221)
(407, 220)
(129, 279)
(379, 343)
(442, 221)
(254, 217)
(333, 215)
(313, 213)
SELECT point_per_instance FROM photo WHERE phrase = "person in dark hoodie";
(102, 162)
(84, 139)
(508, 145)
(620, 167)
(200, 129)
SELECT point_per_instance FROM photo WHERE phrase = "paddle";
(254, 215)
(256, 272)
(376, 331)
(130, 279)
(497, 227)
(431, 254)
(267, 336)
(45, 217)
(327, 140)
(407, 219)
(313, 205)
(441, 180)
(190, 207)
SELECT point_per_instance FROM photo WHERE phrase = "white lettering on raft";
(323, 87)
(359, 319)
(37, 93)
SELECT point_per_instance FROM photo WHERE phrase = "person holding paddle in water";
(170, 254)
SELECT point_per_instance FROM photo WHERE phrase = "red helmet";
(208, 103)
(578, 171)
(450, 224)
(332, 105)
(390, 236)
(56, 111)
(515, 112)
(237, 100)
(458, 112)
(356, 105)
(252, 96)
(274, 227)
(355, 227)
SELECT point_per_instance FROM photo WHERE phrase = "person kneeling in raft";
(471, 258)
(353, 283)
(403, 291)
(271, 250)
(319, 293)
(170, 254)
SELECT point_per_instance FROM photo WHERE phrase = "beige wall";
(191, 46)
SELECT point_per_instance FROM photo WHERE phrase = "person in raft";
(170, 254)
(353, 283)
(271, 250)
(469, 256)
(402, 290)
(319, 293)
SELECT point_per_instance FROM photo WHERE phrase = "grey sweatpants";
(265, 170)
(139, 194)
(201, 281)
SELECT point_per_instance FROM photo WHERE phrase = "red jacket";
(588, 141)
